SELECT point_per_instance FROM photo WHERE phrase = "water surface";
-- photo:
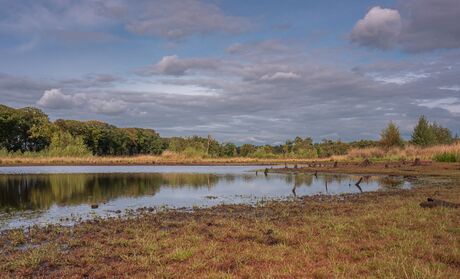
(42, 195)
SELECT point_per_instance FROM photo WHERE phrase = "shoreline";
(403, 168)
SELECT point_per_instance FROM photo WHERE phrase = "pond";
(44, 195)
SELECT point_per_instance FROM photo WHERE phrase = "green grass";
(447, 157)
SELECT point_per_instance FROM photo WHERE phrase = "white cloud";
(450, 88)
(400, 79)
(281, 76)
(450, 104)
(379, 28)
(55, 99)
(415, 26)
(174, 66)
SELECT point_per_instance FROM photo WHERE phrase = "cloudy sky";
(242, 71)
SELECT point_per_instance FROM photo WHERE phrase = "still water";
(42, 195)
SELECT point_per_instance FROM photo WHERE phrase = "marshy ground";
(384, 234)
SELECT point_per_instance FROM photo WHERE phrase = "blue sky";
(242, 71)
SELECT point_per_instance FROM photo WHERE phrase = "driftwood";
(431, 203)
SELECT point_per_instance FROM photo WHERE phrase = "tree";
(390, 136)
(423, 134)
(26, 129)
(328, 148)
(229, 150)
(302, 148)
(247, 150)
(64, 144)
(442, 135)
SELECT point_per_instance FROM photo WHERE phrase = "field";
(383, 234)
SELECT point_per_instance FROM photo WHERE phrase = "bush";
(192, 152)
(64, 144)
(263, 154)
(390, 136)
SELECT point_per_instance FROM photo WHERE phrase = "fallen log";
(431, 203)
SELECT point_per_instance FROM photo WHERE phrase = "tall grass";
(441, 153)
(78, 155)
(69, 152)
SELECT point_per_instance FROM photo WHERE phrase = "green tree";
(390, 136)
(329, 147)
(247, 150)
(229, 150)
(64, 144)
(442, 135)
(302, 148)
(26, 129)
(423, 134)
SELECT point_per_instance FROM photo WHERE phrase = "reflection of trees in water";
(42, 190)
(298, 180)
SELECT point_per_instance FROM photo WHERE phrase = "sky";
(244, 71)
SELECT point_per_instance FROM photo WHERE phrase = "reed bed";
(438, 152)
(165, 159)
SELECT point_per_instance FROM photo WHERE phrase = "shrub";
(261, 153)
(64, 144)
(390, 136)
(192, 152)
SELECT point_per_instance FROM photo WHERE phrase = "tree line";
(30, 130)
